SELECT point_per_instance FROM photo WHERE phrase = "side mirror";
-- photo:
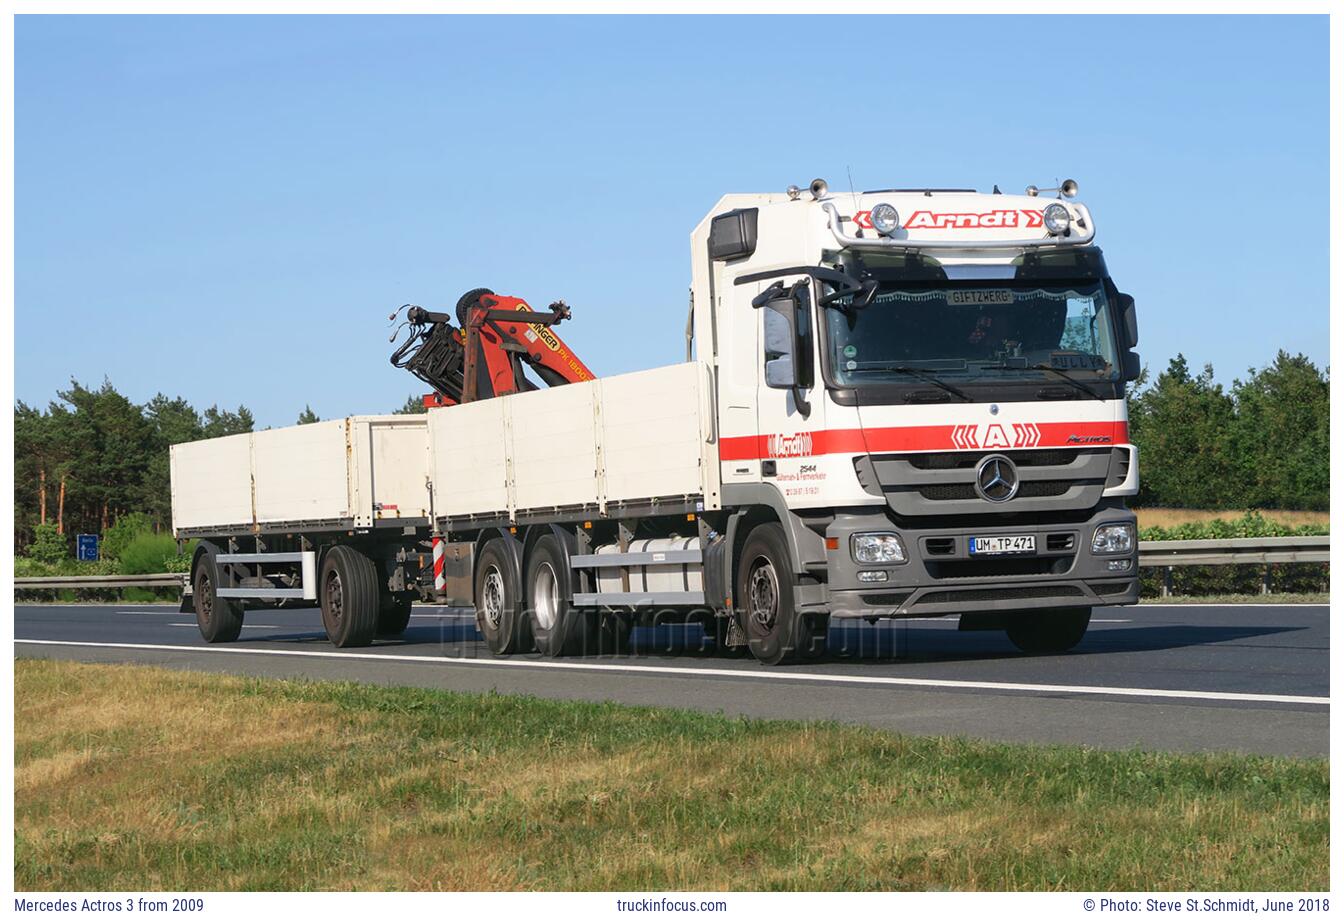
(780, 344)
(787, 339)
(1129, 320)
(1130, 366)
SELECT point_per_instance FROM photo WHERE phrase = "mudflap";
(188, 604)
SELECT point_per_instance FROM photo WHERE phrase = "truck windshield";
(975, 333)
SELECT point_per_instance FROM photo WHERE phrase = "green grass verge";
(131, 778)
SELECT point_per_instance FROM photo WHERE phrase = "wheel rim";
(763, 593)
(493, 597)
(546, 596)
(205, 604)
(335, 600)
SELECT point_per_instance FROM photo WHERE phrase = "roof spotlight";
(1056, 218)
(885, 218)
(793, 192)
(1032, 191)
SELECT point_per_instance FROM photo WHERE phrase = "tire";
(348, 588)
(219, 619)
(557, 628)
(394, 613)
(1050, 631)
(776, 632)
(498, 600)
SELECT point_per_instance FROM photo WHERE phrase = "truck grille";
(943, 482)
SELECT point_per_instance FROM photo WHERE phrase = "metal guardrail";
(1252, 550)
(1266, 551)
(66, 582)
(1152, 553)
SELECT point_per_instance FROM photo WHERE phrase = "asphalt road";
(1172, 677)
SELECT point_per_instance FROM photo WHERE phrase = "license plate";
(997, 546)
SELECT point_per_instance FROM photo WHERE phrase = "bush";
(121, 534)
(148, 554)
(49, 546)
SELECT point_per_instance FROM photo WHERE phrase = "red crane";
(498, 337)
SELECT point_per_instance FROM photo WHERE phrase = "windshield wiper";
(1063, 375)
(927, 377)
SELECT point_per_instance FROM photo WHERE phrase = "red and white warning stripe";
(440, 583)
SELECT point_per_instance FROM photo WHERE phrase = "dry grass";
(137, 778)
(1172, 517)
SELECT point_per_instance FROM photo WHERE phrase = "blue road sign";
(86, 547)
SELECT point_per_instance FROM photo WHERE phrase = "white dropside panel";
(212, 482)
(555, 461)
(301, 473)
(352, 471)
(390, 467)
(468, 458)
(653, 438)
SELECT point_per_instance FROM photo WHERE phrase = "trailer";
(911, 408)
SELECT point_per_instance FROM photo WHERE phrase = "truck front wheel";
(220, 619)
(349, 594)
(776, 631)
(1050, 631)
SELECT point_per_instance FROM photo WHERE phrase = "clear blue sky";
(227, 208)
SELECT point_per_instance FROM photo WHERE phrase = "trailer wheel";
(1050, 631)
(220, 619)
(349, 593)
(776, 632)
(498, 601)
(557, 628)
(394, 613)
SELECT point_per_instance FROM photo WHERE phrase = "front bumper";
(941, 577)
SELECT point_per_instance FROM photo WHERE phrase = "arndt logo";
(789, 445)
(933, 220)
(995, 435)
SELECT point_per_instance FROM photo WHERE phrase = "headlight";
(885, 219)
(877, 548)
(1113, 538)
(1056, 218)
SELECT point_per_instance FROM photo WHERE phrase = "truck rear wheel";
(394, 613)
(776, 631)
(1050, 631)
(349, 595)
(557, 627)
(498, 601)
(219, 619)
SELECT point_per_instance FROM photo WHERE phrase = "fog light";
(1113, 538)
(879, 548)
(885, 218)
(1117, 565)
(1056, 218)
(870, 577)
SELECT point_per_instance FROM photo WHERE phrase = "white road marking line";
(245, 626)
(1095, 620)
(720, 672)
(150, 613)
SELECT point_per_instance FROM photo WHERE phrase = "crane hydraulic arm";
(486, 355)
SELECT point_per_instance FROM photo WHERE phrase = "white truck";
(898, 403)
